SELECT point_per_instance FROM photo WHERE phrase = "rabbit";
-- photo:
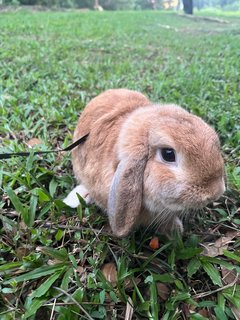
(144, 163)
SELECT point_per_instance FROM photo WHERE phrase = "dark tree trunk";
(188, 6)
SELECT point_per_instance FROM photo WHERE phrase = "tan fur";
(119, 167)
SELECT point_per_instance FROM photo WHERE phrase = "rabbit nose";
(217, 192)
(209, 199)
(222, 188)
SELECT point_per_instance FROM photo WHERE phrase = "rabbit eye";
(168, 154)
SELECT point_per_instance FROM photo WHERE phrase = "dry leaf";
(205, 313)
(52, 262)
(216, 249)
(154, 243)
(22, 226)
(232, 234)
(62, 218)
(186, 310)
(108, 299)
(210, 251)
(110, 272)
(8, 297)
(84, 221)
(22, 252)
(80, 269)
(192, 308)
(129, 309)
(33, 142)
(230, 276)
(129, 284)
(236, 312)
(223, 241)
(82, 273)
(163, 291)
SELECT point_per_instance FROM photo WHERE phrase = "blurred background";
(187, 6)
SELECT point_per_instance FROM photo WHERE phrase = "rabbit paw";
(177, 225)
(72, 199)
(171, 226)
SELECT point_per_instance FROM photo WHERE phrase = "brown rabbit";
(143, 162)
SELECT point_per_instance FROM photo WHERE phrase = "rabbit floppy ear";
(126, 192)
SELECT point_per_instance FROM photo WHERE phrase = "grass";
(55, 261)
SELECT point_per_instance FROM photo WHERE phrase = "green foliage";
(230, 5)
(51, 65)
(117, 5)
(106, 4)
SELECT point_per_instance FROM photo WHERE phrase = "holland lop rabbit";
(144, 162)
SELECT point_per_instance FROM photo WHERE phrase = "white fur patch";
(178, 225)
(72, 199)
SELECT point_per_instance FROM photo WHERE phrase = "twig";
(75, 301)
(61, 294)
(210, 19)
(53, 307)
(129, 309)
(75, 228)
(205, 294)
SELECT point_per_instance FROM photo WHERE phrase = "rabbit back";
(95, 161)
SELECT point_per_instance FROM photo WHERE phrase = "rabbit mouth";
(175, 206)
(178, 205)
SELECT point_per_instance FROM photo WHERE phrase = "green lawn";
(53, 259)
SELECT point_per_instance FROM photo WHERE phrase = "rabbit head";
(169, 162)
